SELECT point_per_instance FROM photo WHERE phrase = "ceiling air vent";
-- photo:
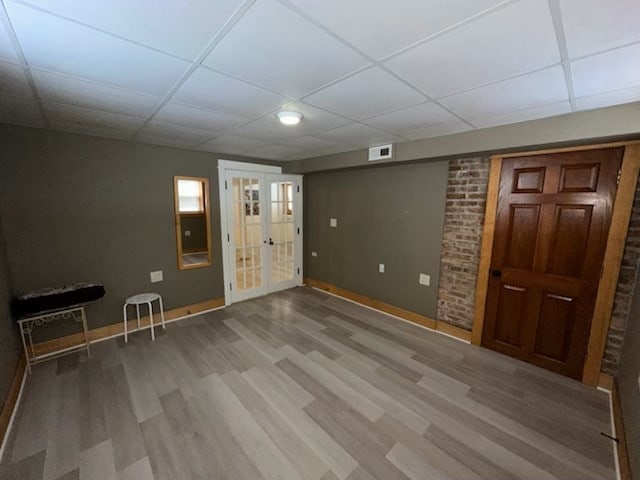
(383, 152)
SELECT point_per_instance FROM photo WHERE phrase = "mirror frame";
(207, 214)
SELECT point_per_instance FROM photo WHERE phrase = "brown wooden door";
(551, 230)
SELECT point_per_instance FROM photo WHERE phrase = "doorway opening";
(554, 233)
(261, 211)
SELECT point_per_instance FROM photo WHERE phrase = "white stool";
(138, 300)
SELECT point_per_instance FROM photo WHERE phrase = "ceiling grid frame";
(6, 21)
(554, 6)
(373, 62)
(226, 28)
(556, 16)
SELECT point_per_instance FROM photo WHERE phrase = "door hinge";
(298, 188)
(226, 187)
(298, 230)
(618, 177)
(228, 238)
(298, 270)
(230, 287)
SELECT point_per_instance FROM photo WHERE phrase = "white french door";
(264, 233)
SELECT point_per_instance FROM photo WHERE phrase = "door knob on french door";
(270, 242)
(496, 273)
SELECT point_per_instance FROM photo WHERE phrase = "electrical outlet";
(156, 276)
(314, 254)
(333, 222)
(381, 268)
(424, 279)
(187, 233)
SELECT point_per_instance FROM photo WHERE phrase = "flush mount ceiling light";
(289, 117)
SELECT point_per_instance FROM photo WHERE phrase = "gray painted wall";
(377, 210)
(618, 122)
(9, 338)
(79, 208)
(627, 378)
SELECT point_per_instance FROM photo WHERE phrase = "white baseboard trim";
(614, 445)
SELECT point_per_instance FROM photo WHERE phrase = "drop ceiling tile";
(276, 48)
(257, 130)
(511, 41)
(613, 70)
(273, 152)
(163, 134)
(313, 120)
(93, 130)
(626, 95)
(232, 144)
(559, 108)
(7, 51)
(311, 153)
(528, 91)
(595, 25)
(213, 91)
(315, 144)
(385, 26)
(358, 135)
(81, 93)
(13, 80)
(186, 116)
(20, 111)
(62, 46)
(437, 131)
(174, 27)
(93, 122)
(412, 118)
(366, 94)
(317, 152)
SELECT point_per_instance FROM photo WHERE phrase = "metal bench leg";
(153, 333)
(26, 350)
(124, 316)
(85, 329)
(162, 313)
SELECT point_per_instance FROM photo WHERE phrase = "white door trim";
(223, 166)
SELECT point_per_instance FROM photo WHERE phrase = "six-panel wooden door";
(550, 236)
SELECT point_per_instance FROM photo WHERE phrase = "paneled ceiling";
(210, 75)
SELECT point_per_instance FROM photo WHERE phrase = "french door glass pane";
(282, 231)
(248, 232)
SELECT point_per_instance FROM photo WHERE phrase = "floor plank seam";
(303, 385)
(424, 327)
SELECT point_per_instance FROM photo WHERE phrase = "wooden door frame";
(614, 251)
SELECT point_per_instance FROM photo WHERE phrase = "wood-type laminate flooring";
(300, 385)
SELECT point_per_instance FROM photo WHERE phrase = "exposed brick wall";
(464, 219)
(624, 290)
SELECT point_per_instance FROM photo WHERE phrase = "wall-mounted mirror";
(193, 227)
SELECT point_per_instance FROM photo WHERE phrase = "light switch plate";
(381, 268)
(314, 254)
(187, 233)
(156, 276)
(424, 279)
(333, 222)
